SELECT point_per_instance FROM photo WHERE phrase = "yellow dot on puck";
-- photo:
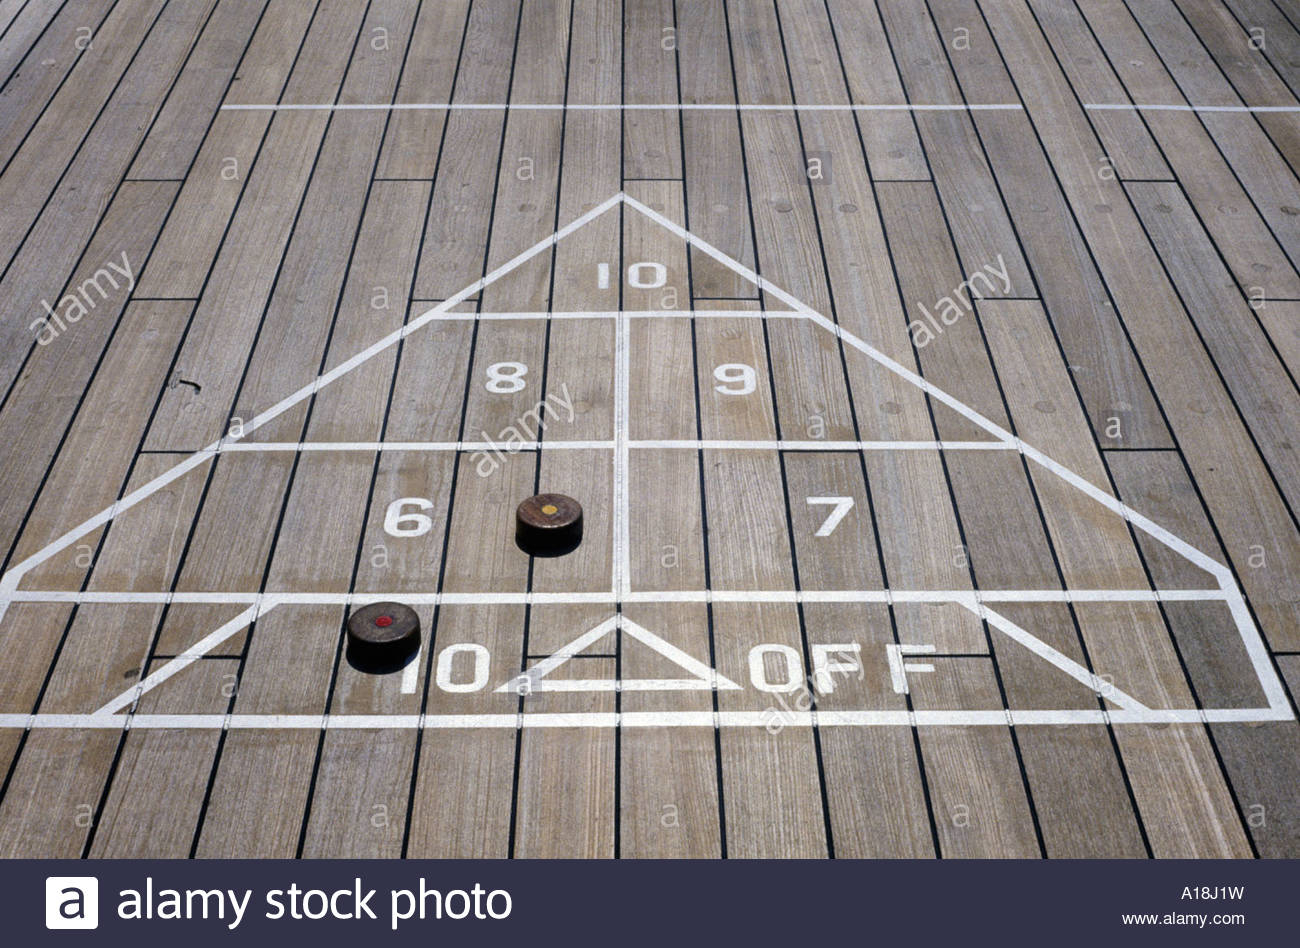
(548, 525)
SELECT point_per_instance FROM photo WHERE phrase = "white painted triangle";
(702, 677)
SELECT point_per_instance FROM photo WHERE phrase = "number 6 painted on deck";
(842, 506)
(395, 522)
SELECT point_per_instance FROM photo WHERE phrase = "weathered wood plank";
(717, 200)
(1129, 146)
(976, 216)
(412, 140)
(1242, 235)
(184, 118)
(1258, 381)
(892, 146)
(652, 137)
(57, 373)
(1198, 409)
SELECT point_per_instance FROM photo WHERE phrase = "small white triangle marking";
(703, 678)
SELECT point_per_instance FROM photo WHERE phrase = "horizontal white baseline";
(772, 718)
(453, 316)
(611, 107)
(1156, 107)
(685, 445)
(683, 595)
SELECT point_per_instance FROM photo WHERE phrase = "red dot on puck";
(382, 636)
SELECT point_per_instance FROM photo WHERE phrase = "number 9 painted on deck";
(736, 378)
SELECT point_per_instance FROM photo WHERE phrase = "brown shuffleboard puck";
(382, 636)
(548, 525)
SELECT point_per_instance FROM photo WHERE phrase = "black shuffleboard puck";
(548, 525)
(382, 636)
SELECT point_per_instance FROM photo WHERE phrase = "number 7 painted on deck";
(842, 506)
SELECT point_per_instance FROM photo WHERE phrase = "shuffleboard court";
(926, 385)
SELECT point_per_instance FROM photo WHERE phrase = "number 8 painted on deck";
(506, 377)
(735, 373)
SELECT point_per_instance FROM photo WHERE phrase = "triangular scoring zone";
(1228, 591)
(1001, 437)
(702, 677)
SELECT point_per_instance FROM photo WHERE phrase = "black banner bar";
(659, 903)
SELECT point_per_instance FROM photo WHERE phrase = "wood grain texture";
(295, 185)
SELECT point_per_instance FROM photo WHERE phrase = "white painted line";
(1092, 682)
(610, 107)
(533, 315)
(367, 722)
(191, 655)
(730, 445)
(527, 682)
(462, 446)
(1080, 595)
(607, 684)
(15, 573)
(1147, 526)
(678, 444)
(1152, 107)
(622, 552)
(1258, 652)
(640, 719)
(964, 596)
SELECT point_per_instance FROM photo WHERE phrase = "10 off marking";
(772, 668)
(646, 275)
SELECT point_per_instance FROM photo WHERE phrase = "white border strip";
(965, 597)
(1228, 589)
(609, 107)
(533, 679)
(1153, 107)
(535, 315)
(621, 556)
(636, 719)
(253, 447)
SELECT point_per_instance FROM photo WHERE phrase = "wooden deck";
(927, 372)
